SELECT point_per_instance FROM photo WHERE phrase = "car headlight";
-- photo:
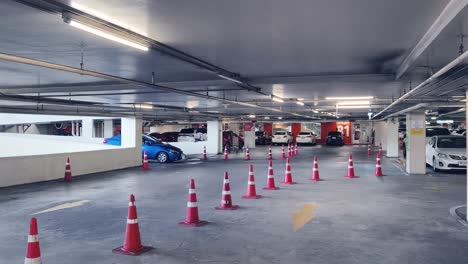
(442, 155)
(173, 151)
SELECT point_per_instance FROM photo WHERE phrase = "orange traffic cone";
(315, 170)
(247, 153)
(251, 191)
(145, 161)
(33, 251)
(191, 218)
(351, 168)
(289, 150)
(287, 174)
(380, 150)
(369, 151)
(270, 155)
(270, 178)
(378, 167)
(132, 242)
(226, 153)
(226, 200)
(283, 155)
(68, 174)
(296, 150)
(204, 153)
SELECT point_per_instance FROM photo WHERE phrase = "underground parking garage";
(233, 131)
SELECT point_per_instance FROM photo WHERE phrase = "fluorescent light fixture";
(106, 35)
(315, 111)
(299, 103)
(353, 106)
(194, 111)
(144, 106)
(350, 98)
(433, 117)
(267, 118)
(354, 103)
(252, 116)
(279, 117)
(230, 79)
(277, 99)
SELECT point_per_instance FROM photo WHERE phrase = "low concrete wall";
(35, 158)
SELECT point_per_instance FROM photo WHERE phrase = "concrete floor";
(395, 219)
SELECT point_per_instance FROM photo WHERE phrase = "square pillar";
(392, 142)
(131, 132)
(466, 116)
(416, 143)
(108, 128)
(87, 127)
(214, 144)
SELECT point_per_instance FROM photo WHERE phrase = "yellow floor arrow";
(63, 206)
(303, 217)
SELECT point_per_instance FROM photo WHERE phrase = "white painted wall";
(167, 128)
(392, 140)
(191, 147)
(34, 158)
(214, 144)
(416, 148)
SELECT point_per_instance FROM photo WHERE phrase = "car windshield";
(437, 131)
(305, 133)
(451, 142)
(335, 134)
(280, 133)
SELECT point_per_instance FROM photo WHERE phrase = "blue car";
(154, 148)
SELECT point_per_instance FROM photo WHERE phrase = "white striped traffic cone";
(226, 198)
(33, 251)
(68, 175)
(191, 217)
(287, 174)
(132, 242)
(251, 191)
(270, 178)
(145, 161)
(247, 153)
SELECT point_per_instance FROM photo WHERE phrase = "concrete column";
(131, 132)
(380, 133)
(108, 128)
(214, 144)
(416, 143)
(466, 116)
(392, 142)
(87, 127)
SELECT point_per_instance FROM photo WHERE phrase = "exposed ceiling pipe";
(442, 71)
(421, 105)
(59, 67)
(461, 110)
(56, 7)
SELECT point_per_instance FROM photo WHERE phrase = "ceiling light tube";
(277, 99)
(106, 35)
(230, 79)
(352, 106)
(299, 103)
(252, 116)
(353, 103)
(350, 98)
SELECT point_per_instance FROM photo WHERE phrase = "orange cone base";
(288, 183)
(270, 188)
(251, 197)
(233, 207)
(351, 177)
(196, 224)
(121, 250)
(379, 174)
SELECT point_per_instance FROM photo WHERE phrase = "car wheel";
(162, 157)
(434, 165)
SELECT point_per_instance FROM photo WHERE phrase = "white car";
(281, 137)
(446, 153)
(306, 137)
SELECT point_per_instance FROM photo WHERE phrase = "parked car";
(335, 138)
(430, 132)
(262, 138)
(166, 136)
(231, 139)
(281, 137)
(459, 132)
(446, 153)
(190, 134)
(155, 149)
(306, 137)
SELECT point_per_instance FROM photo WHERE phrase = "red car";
(166, 136)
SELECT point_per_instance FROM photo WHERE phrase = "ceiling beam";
(453, 8)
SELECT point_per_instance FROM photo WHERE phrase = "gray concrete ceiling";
(293, 49)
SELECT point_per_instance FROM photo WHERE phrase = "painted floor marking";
(63, 206)
(301, 218)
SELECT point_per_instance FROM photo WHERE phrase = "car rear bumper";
(305, 141)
